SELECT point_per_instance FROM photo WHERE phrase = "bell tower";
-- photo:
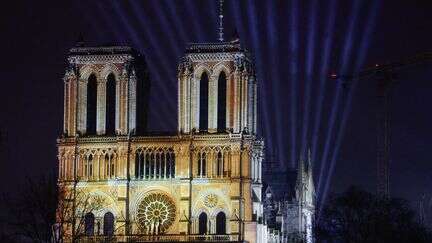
(217, 89)
(101, 87)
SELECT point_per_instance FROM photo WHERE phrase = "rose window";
(210, 200)
(156, 213)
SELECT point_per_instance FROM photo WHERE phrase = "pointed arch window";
(221, 104)
(110, 105)
(219, 164)
(108, 224)
(202, 160)
(89, 224)
(203, 112)
(89, 167)
(220, 223)
(91, 104)
(202, 224)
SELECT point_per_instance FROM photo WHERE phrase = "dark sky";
(288, 40)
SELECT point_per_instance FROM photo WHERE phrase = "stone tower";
(202, 182)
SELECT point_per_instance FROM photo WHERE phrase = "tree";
(31, 210)
(359, 216)
(43, 211)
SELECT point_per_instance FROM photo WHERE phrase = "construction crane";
(385, 80)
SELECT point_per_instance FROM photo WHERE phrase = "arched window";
(90, 165)
(219, 164)
(152, 173)
(171, 162)
(89, 224)
(203, 112)
(110, 105)
(221, 110)
(108, 225)
(220, 223)
(147, 168)
(158, 165)
(202, 224)
(91, 104)
(202, 164)
(139, 165)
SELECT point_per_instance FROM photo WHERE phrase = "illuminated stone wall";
(161, 184)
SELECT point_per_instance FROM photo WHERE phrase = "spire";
(309, 162)
(221, 38)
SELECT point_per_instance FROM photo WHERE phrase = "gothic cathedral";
(201, 183)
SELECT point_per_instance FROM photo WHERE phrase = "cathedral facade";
(120, 183)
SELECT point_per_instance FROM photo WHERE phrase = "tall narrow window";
(220, 223)
(203, 112)
(219, 164)
(91, 104)
(202, 225)
(90, 166)
(202, 165)
(89, 224)
(108, 226)
(221, 116)
(110, 105)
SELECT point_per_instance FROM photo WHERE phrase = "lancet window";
(109, 165)
(91, 104)
(202, 164)
(154, 164)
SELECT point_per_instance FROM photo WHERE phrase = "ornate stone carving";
(156, 213)
(211, 200)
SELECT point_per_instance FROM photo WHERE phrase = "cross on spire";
(221, 38)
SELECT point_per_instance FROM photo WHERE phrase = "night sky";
(296, 45)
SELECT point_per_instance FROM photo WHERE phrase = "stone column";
(101, 107)
(195, 98)
(132, 101)
(212, 103)
(82, 106)
(66, 107)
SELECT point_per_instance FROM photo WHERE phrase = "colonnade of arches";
(92, 106)
(155, 163)
(94, 227)
(216, 225)
(98, 165)
(204, 98)
(212, 164)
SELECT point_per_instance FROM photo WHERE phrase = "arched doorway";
(108, 226)
(202, 225)
(220, 223)
(89, 223)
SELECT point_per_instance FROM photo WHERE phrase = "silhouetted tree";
(42, 211)
(30, 211)
(360, 216)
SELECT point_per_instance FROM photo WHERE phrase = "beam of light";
(152, 66)
(251, 33)
(213, 11)
(197, 27)
(274, 81)
(325, 61)
(95, 23)
(293, 67)
(365, 41)
(101, 9)
(178, 22)
(161, 18)
(346, 52)
(310, 61)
